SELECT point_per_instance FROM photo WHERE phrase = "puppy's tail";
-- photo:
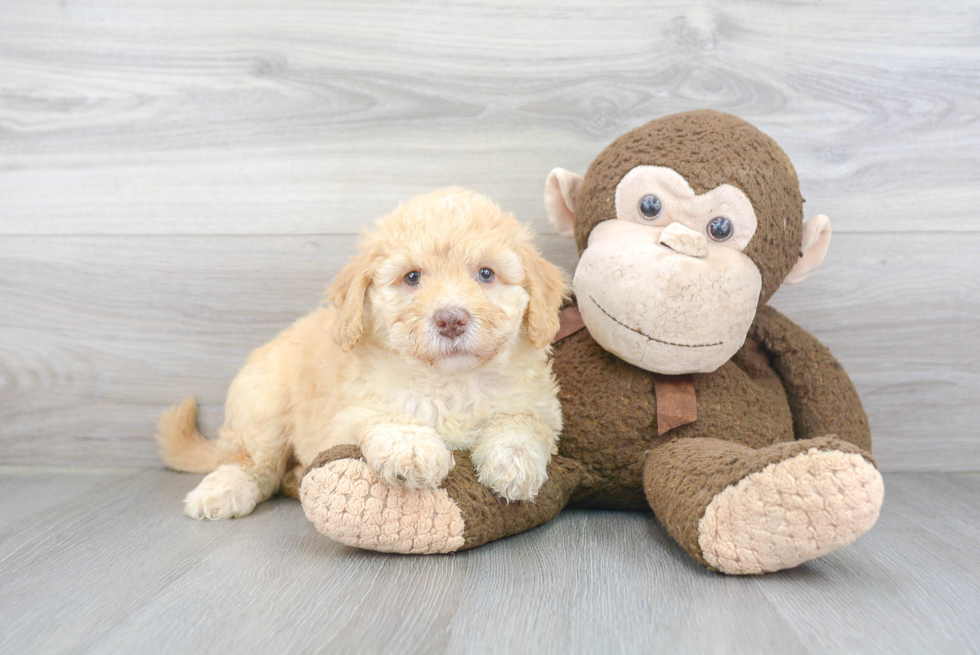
(182, 446)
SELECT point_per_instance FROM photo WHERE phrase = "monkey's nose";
(684, 240)
(451, 323)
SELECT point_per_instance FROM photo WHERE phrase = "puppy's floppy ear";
(548, 288)
(347, 295)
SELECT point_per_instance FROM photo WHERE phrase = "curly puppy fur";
(380, 369)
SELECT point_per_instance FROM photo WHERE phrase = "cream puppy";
(437, 339)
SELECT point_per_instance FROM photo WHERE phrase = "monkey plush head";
(685, 227)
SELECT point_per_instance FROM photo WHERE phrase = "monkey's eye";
(412, 279)
(650, 206)
(720, 228)
(485, 275)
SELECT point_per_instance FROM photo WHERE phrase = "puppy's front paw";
(410, 456)
(513, 467)
(226, 493)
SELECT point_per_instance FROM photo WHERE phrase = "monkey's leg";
(347, 502)
(739, 510)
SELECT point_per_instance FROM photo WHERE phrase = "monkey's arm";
(821, 395)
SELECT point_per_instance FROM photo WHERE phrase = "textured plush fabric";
(611, 413)
(708, 148)
(489, 518)
(790, 512)
(683, 476)
(346, 501)
(345, 451)
(660, 308)
(820, 394)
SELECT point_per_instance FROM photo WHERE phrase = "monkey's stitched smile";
(669, 343)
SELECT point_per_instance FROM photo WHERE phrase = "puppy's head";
(450, 280)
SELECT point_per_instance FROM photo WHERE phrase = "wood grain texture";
(179, 180)
(101, 333)
(29, 491)
(114, 568)
(159, 117)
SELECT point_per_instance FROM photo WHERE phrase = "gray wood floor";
(102, 561)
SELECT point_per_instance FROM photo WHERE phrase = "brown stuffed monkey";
(682, 391)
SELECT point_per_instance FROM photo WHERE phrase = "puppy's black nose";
(451, 323)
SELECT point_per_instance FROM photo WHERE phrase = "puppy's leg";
(511, 455)
(229, 492)
(405, 454)
(291, 480)
(252, 449)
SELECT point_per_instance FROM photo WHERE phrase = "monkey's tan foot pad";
(347, 502)
(791, 512)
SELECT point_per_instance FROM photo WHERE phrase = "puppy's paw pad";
(347, 501)
(791, 512)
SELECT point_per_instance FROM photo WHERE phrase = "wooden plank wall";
(180, 179)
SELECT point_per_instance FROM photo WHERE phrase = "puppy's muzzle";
(451, 323)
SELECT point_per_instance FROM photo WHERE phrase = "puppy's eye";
(412, 279)
(485, 275)
(720, 228)
(650, 206)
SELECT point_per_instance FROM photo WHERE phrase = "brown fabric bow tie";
(677, 402)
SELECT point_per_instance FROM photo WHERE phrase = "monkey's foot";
(346, 500)
(791, 512)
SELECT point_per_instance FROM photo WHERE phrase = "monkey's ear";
(560, 197)
(347, 295)
(816, 241)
